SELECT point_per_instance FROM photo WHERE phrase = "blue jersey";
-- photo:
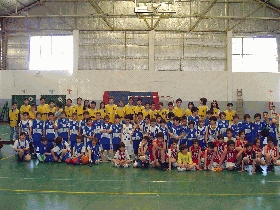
(191, 134)
(88, 131)
(201, 132)
(153, 131)
(105, 137)
(257, 129)
(206, 122)
(247, 127)
(97, 128)
(78, 149)
(169, 125)
(116, 133)
(164, 131)
(235, 128)
(24, 127)
(37, 129)
(213, 132)
(273, 132)
(137, 134)
(73, 130)
(50, 132)
(195, 119)
(44, 149)
(223, 126)
(176, 130)
(62, 128)
(185, 129)
(94, 151)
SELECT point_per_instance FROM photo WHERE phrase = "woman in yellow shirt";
(189, 109)
(102, 109)
(185, 162)
(32, 113)
(215, 108)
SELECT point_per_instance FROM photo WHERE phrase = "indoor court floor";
(36, 185)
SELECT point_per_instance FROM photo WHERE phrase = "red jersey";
(220, 150)
(231, 155)
(209, 156)
(195, 153)
(242, 144)
(257, 149)
(174, 152)
(272, 151)
(159, 144)
(250, 155)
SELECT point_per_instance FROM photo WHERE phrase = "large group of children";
(193, 139)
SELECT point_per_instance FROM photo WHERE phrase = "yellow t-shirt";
(154, 113)
(24, 108)
(230, 115)
(69, 111)
(120, 111)
(179, 112)
(188, 112)
(102, 112)
(44, 111)
(92, 113)
(216, 111)
(53, 110)
(146, 113)
(110, 110)
(14, 117)
(138, 109)
(202, 111)
(187, 158)
(129, 109)
(32, 115)
(162, 113)
(80, 112)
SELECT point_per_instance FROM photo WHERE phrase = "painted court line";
(136, 193)
(6, 157)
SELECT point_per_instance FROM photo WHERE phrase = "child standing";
(116, 133)
(139, 108)
(126, 134)
(201, 135)
(185, 159)
(97, 126)
(209, 114)
(191, 133)
(69, 109)
(235, 126)
(43, 108)
(130, 108)
(229, 112)
(189, 109)
(88, 132)
(247, 127)
(121, 110)
(212, 129)
(22, 147)
(184, 124)
(147, 111)
(163, 128)
(37, 129)
(92, 110)
(82, 123)
(110, 110)
(161, 111)
(178, 110)
(63, 126)
(223, 124)
(25, 126)
(106, 130)
(121, 158)
(215, 108)
(136, 136)
(93, 152)
(176, 131)
(50, 127)
(14, 119)
(25, 107)
(79, 109)
(202, 109)
(73, 130)
(229, 135)
(194, 116)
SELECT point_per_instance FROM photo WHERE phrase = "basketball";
(84, 159)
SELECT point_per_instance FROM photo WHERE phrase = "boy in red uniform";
(230, 156)
(158, 156)
(248, 156)
(220, 146)
(271, 154)
(258, 150)
(241, 142)
(195, 151)
(173, 154)
(209, 154)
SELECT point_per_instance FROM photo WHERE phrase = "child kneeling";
(59, 152)
(93, 152)
(78, 152)
(121, 157)
(22, 147)
(185, 162)
(45, 154)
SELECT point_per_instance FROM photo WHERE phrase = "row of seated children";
(228, 155)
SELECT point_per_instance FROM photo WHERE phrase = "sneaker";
(270, 168)
(181, 169)
(90, 164)
(20, 159)
(117, 165)
(259, 169)
(59, 160)
(109, 159)
(246, 168)
(126, 165)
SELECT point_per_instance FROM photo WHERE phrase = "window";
(254, 55)
(51, 53)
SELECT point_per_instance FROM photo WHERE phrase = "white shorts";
(129, 149)
(229, 164)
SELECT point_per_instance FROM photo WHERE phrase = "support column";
(152, 50)
(4, 46)
(229, 67)
(278, 49)
(75, 52)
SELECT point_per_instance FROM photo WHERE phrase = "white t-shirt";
(21, 144)
(122, 155)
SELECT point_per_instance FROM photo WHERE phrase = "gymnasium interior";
(156, 50)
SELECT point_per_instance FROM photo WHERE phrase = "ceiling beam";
(96, 7)
(207, 9)
(268, 5)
